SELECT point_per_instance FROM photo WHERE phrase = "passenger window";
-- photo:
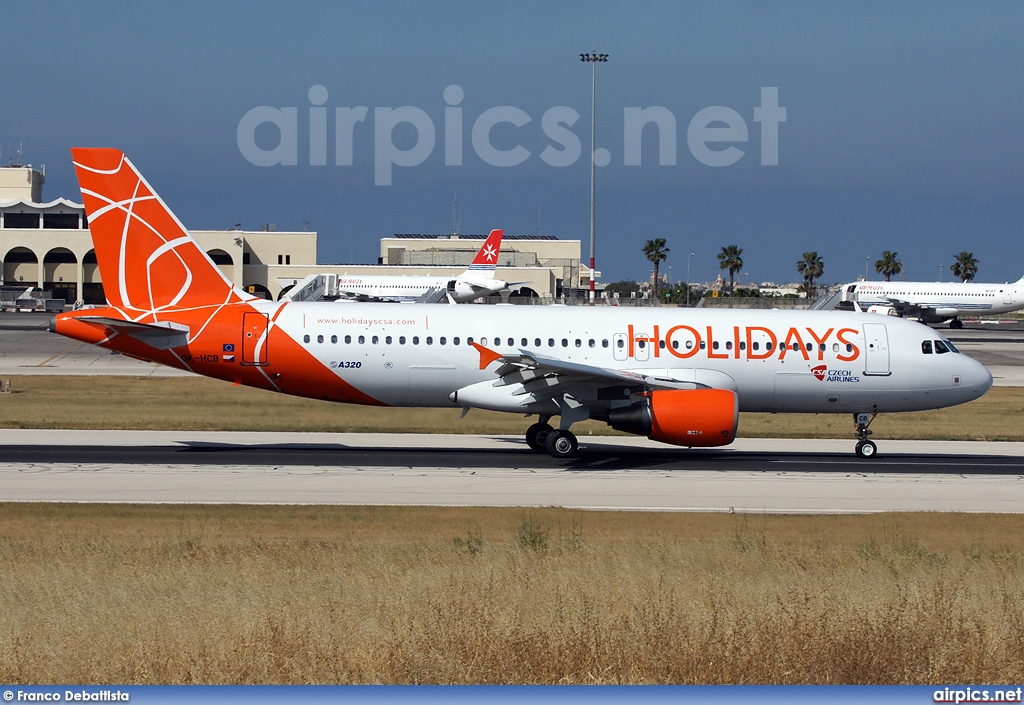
(362, 340)
(926, 347)
(565, 343)
(319, 339)
(536, 342)
(430, 340)
(810, 346)
(821, 347)
(675, 344)
(689, 344)
(442, 341)
(524, 343)
(604, 343)
(621, 344)
(401, 340)
(768, 346)
(593, 343)
(374, 340)
(641, 344)
(835, 347)
(455, 341)
(728, 345)
(415, 340)
(849, 347)
(551, 342)
(703, 345)
(796, 347)
(579, 343)
(661, 344)
(305, 339)
(387, 340)
(743, 345)
(348, 340)
(334, 339)
(714, 345)
(940, 347)
(483, 341)
(755, 346)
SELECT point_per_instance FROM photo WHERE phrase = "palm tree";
(811, 266)
(965, 266)
(888, 265)
(729, 258)
(656, 252)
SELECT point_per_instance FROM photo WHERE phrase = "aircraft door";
(619, 346)
(876, 349)
(254, 338)
(1007, 295)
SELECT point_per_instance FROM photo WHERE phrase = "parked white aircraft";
(679, 376)
(478, 280)
(935, 302)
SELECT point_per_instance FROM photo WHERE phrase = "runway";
(753, 475)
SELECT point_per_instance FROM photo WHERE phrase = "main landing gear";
(865, 449)
(542, 438)
(956, 324)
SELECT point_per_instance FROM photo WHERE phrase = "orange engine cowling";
(683, 417)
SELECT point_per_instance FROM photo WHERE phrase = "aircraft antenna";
(456, 214)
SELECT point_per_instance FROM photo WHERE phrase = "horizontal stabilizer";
(162, 336)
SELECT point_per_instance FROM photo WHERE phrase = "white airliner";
(478, 280)
(680, 376)
(935, 302)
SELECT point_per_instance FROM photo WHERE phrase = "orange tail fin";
(148, 260)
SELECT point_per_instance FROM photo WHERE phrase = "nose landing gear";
(865, 449)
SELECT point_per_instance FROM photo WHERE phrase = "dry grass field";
(242, 594)
(202, 404)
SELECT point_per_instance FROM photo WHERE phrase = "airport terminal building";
(48, 245)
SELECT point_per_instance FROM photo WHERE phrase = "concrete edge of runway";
(116, 438)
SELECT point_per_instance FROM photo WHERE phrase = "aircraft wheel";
(561, 444)
(866, 449)
(956, 324)
(536, 435)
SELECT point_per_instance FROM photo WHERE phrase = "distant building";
(48, 245)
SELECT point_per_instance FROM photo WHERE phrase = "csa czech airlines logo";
(819, 372)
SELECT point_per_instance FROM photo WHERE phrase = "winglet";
(487, 356)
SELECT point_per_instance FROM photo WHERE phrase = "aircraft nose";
(975, 377)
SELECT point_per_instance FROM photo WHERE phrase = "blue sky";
(903, 122)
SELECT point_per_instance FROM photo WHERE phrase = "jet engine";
(684, 417)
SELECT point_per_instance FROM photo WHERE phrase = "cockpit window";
(950, 345)
(926, 347)
(940, 347)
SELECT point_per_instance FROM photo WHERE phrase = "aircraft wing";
(907, 309)
(536, 372)
(433, 296)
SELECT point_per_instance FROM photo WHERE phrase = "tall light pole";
(866, 260)
(688, 280)
(593, 58)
